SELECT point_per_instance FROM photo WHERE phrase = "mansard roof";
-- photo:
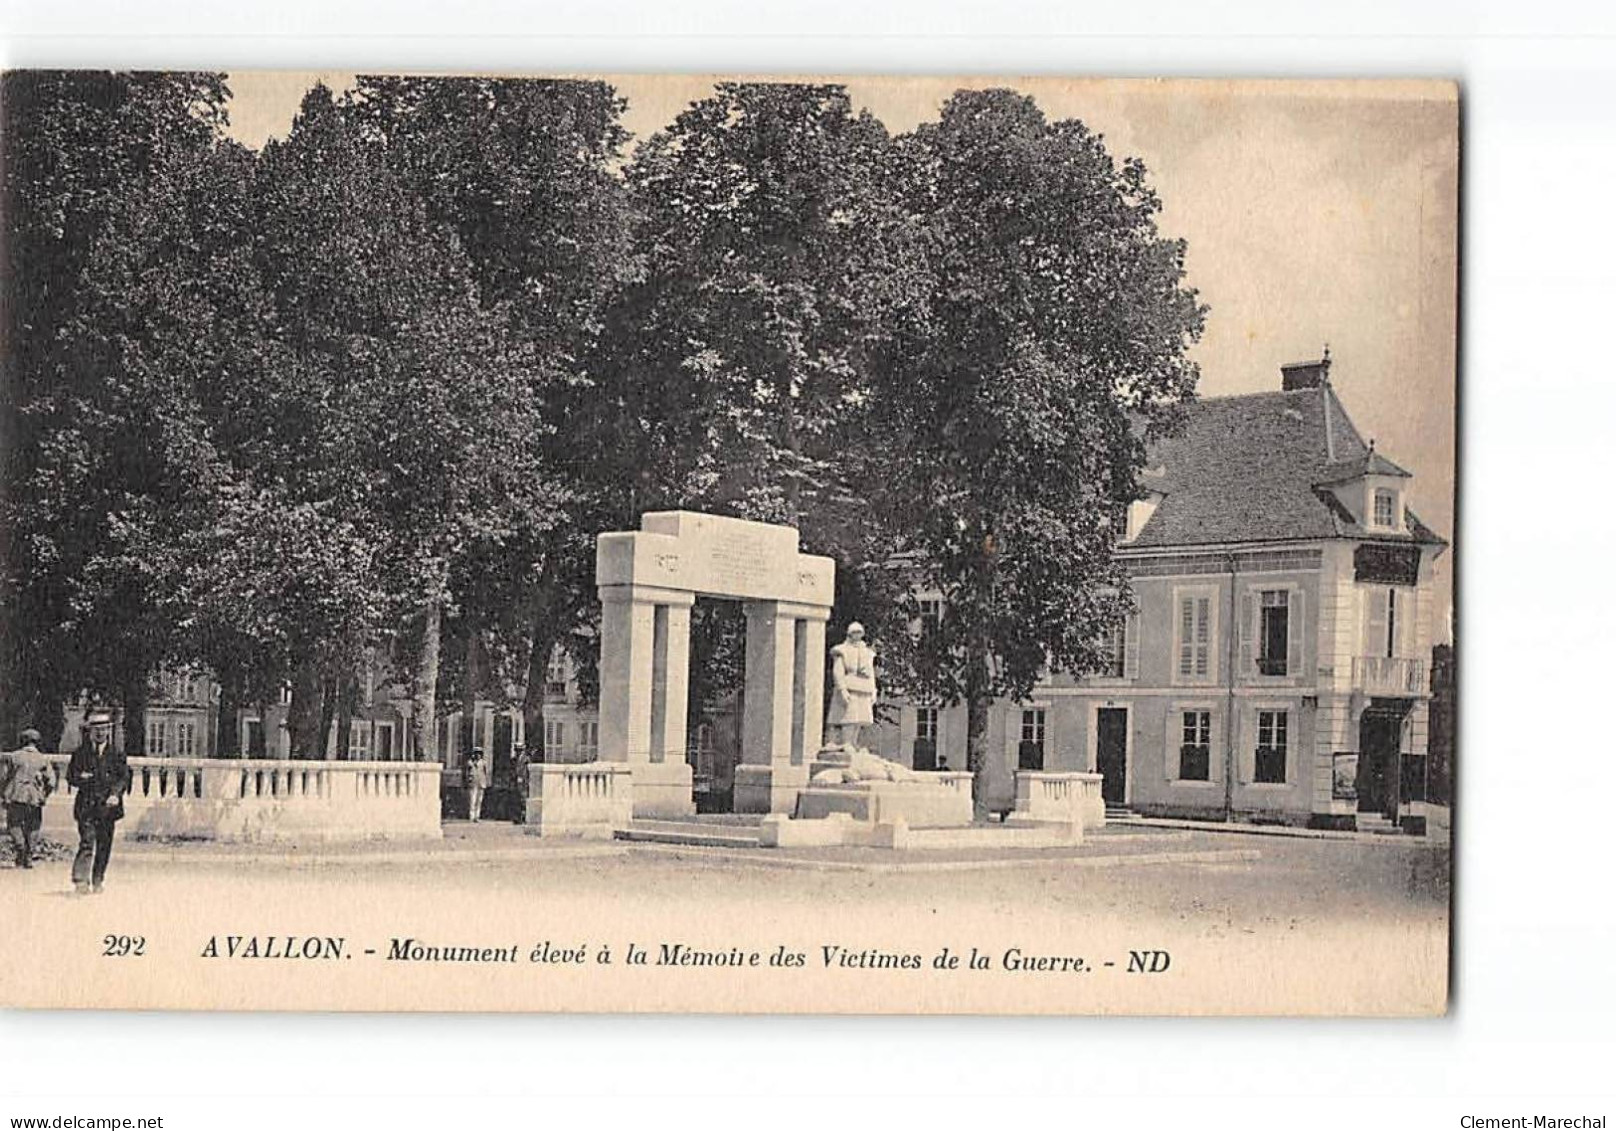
(1254, 468)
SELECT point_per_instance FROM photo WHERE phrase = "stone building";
(1277, 667)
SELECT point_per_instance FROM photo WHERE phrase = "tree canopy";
(372, 390)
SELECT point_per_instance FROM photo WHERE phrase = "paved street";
(1305, 924)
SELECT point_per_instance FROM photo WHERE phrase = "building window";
(926, 723)
(1391, 622)
(1195, 749)
(1116, 651)
(925, 753)
(156, 737)
(555, 675)
(1273, 632)
(359, 741)
(185, 740)
(555, 734)
(931, 612)
(588, 740)
(1194, 637)
(1273, 741)
(1030, 753)
(1385, 509)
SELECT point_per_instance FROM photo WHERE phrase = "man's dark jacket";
(96, 779)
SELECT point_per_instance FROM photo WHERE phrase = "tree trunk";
(538, 670)
(976, 754)
(328, 715)
(258, 746)
(135, 698)
(303, 716)
(538, 674)
(424, 710)
(347, 701)
(978, 683)
(47, 717)
(227, 733)
(468, 699)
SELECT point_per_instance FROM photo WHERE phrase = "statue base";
(873, 790)
(768, 789)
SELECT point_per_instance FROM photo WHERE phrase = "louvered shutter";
(1186, 637)
(1248, 634)
(1374, 626)
(1296, 632)
(1130, 647)
(1203, 636)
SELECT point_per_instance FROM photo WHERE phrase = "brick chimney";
(1305, 374)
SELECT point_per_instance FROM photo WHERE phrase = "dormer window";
(1385, 509)
(1131, 520)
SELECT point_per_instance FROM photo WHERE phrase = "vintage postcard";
(643, 543)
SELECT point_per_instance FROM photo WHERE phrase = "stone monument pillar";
(648, 579)
(644, 684)
(780, 731)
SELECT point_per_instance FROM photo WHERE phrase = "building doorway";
(1380, 743)
(1111, 753)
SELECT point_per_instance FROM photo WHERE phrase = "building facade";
(1278, 665)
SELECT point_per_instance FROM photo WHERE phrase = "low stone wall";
(1062, 798)
(265, 801)
(588, 799)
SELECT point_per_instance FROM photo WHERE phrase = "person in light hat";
(476, 784)
(26, 780)
(100, 774)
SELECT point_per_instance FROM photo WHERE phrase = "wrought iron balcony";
(1388, 675)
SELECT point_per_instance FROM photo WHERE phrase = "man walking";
(100, 774)
(25, 782)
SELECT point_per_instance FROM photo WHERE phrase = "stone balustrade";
(587, 799)
(1065, 798)
(256, 800)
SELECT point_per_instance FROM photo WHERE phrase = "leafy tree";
(112, 226)
(1015, 401)
(524, 173)
(408, 413)
(738, 376)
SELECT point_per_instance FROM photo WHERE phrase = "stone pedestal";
(664, 789)
(919, 804)
(768, 789)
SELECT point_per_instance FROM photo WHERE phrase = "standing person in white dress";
(852, 701)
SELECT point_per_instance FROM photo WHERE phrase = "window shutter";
(1374, 629)
(1249, 633)
(1296, 633)
(1186, 637)
(1130, 647)
(1203, 636)
(1408, 621)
